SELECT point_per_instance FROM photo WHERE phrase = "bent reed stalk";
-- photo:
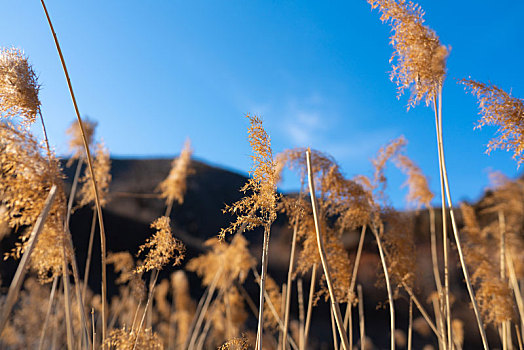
(444, 175)
(91, 170)
(323, 258)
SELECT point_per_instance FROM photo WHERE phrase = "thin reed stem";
(263, 274)
(361, 318)
(351, 292)
(18, 279)
(388, 287)
(519, 337)
(310, 304)
(149, 299)
(516, 290)
(274, 312)
(351, 289)
(502, 232)
(67, 301)
(436, 271)
(93, 327)
(321, 250)
(89, 252)
(410, 324)
(199, 316)
(333, 329)
(301, 313)
(455, 230)
(67, 233)
(289, 280)
(282, 306)
(445, 241)
(48, 313)
(90, 164)
(207, 325)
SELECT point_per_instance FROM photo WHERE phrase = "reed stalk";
(289, 281)
(301, 317)
(18, 279)
(310, 304)
(321, 250)
(199, 315)
(410, 324)
(274, 312)
(333, 329)
(445, 240)
(89, 252)
(149, 299)
(263, 274)
(90, 164)
(67, 301)
(48, 312)
(361, 318)
(442, 161)
(388, 287)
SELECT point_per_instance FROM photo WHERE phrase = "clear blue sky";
(155, 72)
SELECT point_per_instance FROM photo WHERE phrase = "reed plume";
(259, 206)
(500, 109)
(76, 142)
(26, 178)
(124, 339)
(174, 186)
(161, 248)
(232, 260)
(419, 193)
(19, 87)
(102, 170)
(493, 295)
(418, 59)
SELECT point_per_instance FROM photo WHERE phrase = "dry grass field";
(448, 277)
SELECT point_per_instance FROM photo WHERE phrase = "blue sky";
(153, 73)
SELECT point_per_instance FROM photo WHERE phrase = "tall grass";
(163, 314)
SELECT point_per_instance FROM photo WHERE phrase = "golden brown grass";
(339, 208)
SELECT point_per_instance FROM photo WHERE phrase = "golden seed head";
(123, 339)
(260, 208)
(76, 142)
(492, 294)
(173, 188)
(231, 260)
(419, 59)
(102, 170)
(162, 247)
(26, 177)
(418, 188)
(235, 344)
(18, 86)
(500, 109)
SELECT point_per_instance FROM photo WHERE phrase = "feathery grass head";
(76, 141)
(18, 86)
(26, 177)
(500, 109)
(493, 295)
(124, 339)
(162, 247)
(419, 59)
(235, 344)
(418, 188)
(260, 208)
(232, 260)
(174, 186)
(102, 169)
(398, 238)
